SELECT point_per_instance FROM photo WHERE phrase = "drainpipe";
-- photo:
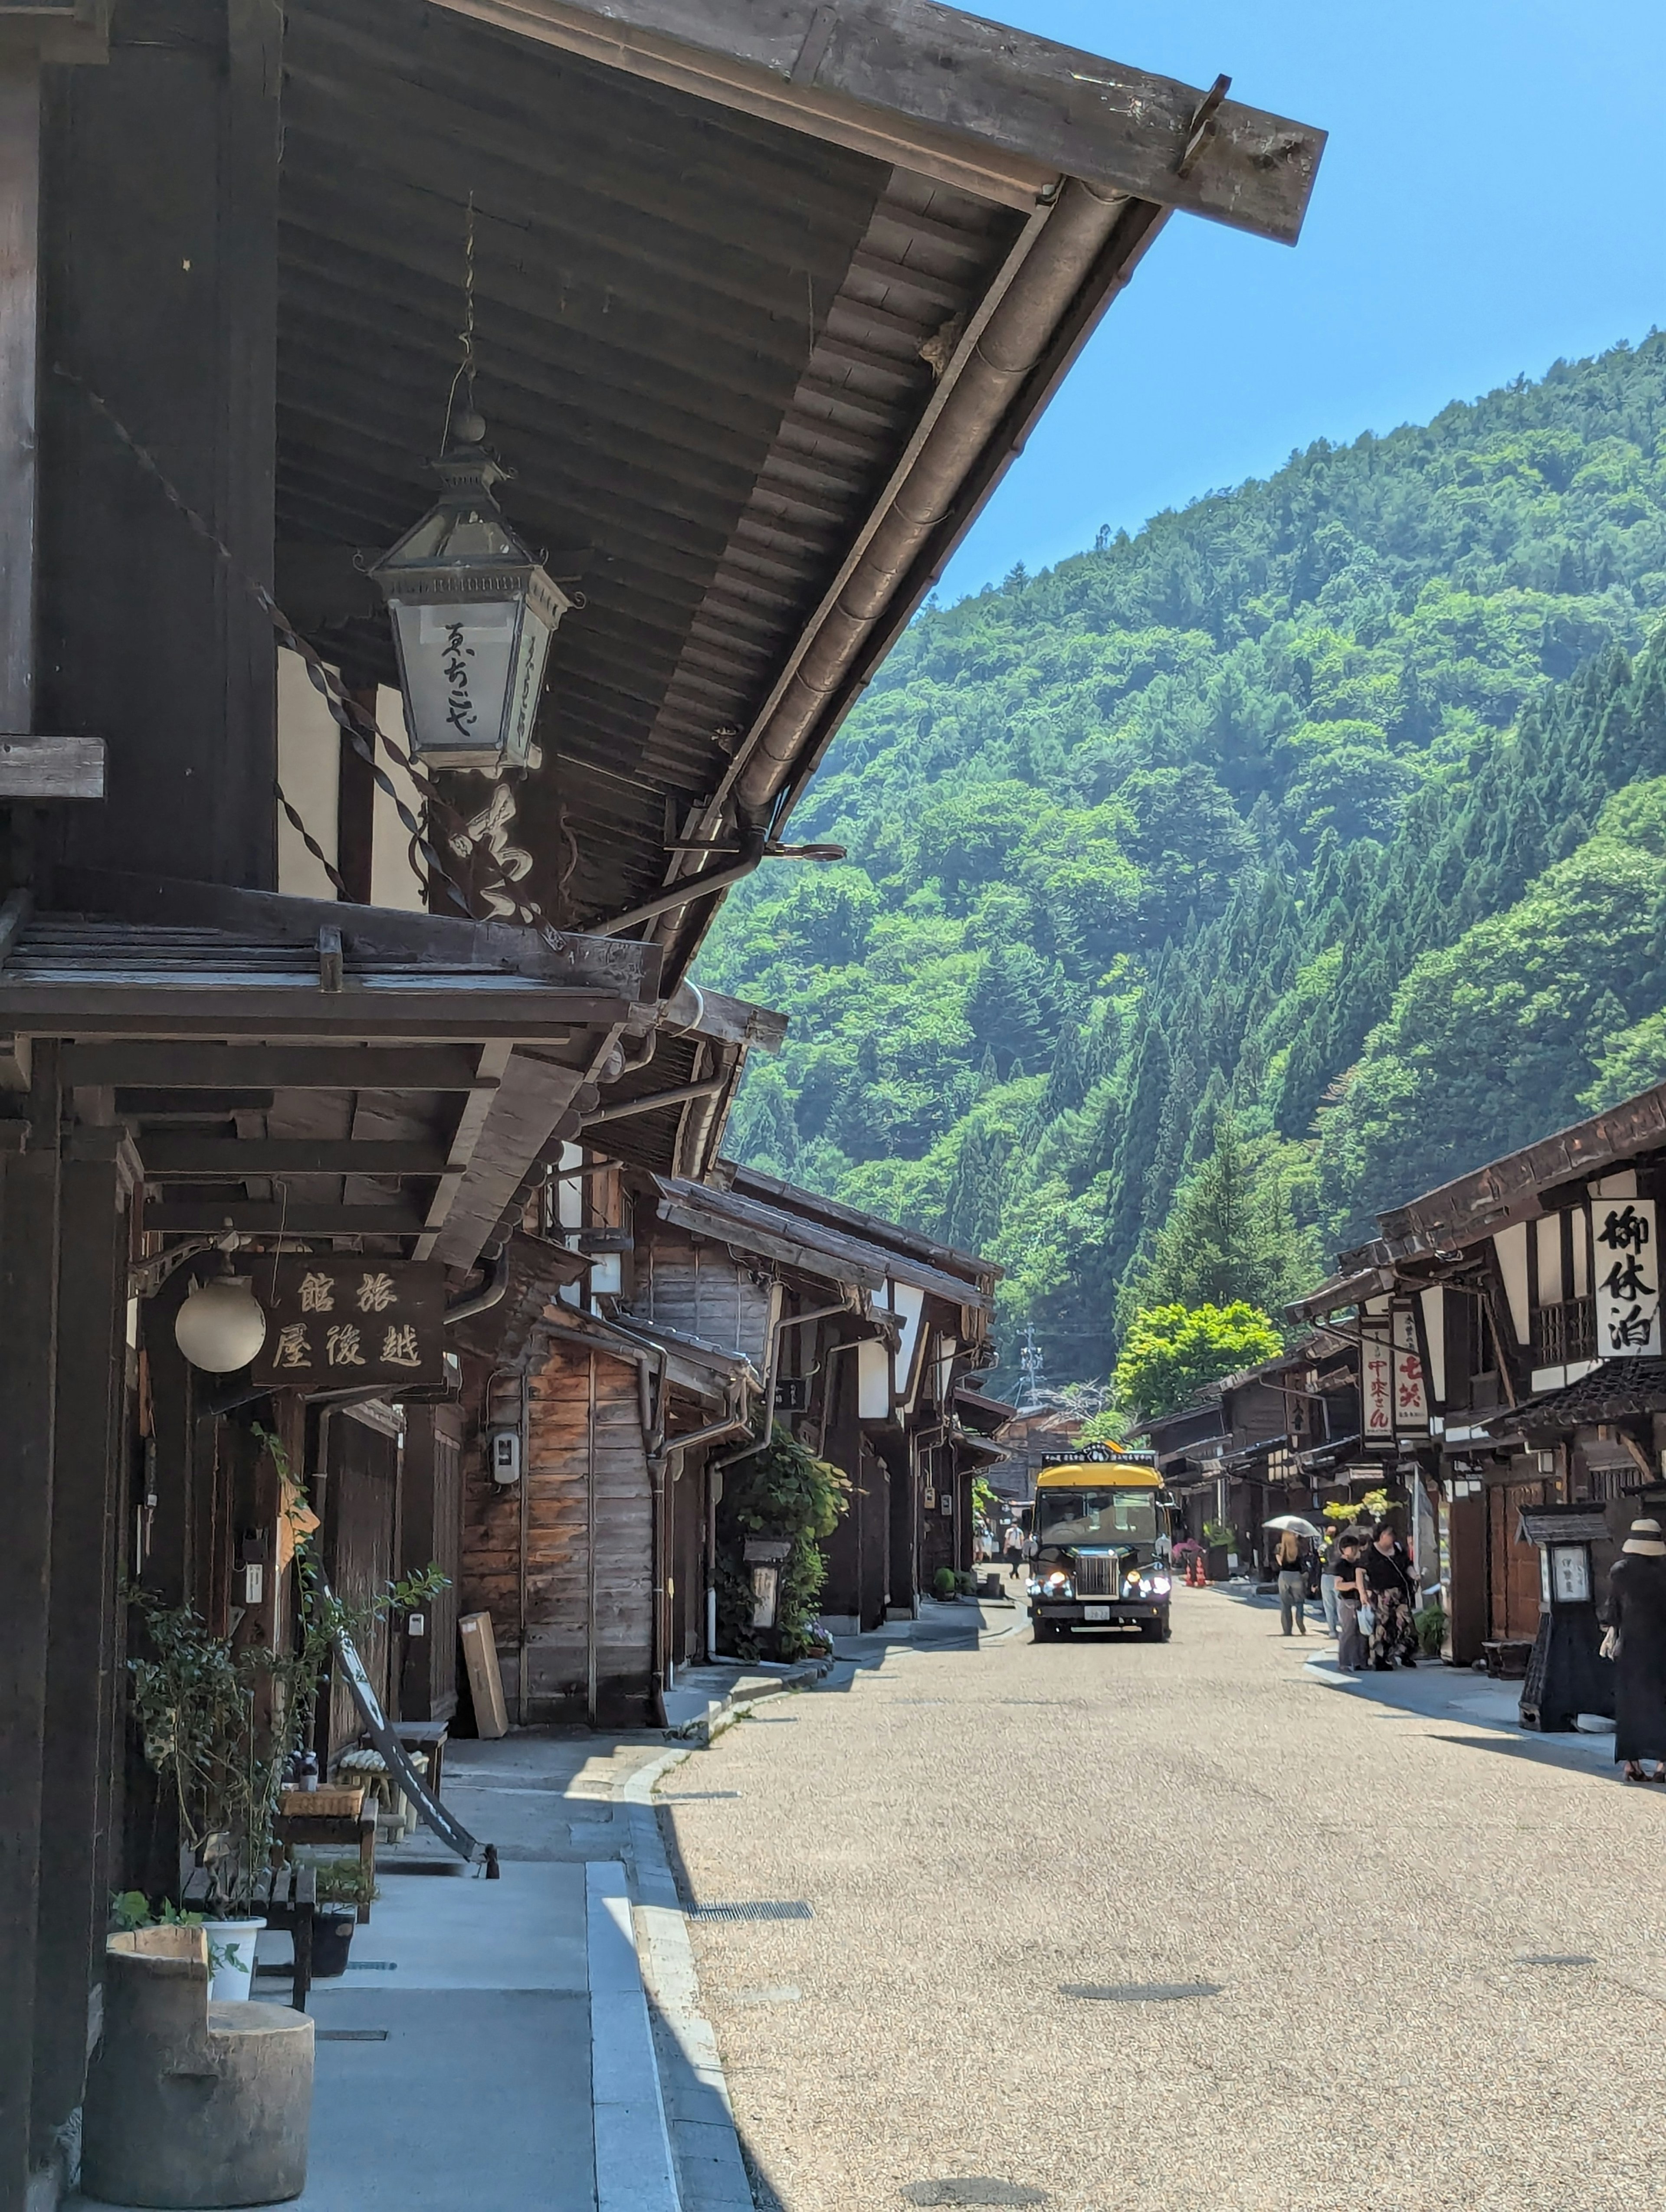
(489, 1293)
(778, 1329)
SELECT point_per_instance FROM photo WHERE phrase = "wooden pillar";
(85, 1642)
(29, 1195)
(19, 205)
(159, 287)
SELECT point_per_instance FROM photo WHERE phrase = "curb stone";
(722, 1713)
(710, 2168)
(635, 2170)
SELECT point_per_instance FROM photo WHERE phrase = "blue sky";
(1493, 197)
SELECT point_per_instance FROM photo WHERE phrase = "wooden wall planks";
(585, 1454)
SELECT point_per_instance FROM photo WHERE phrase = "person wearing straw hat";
(1636, 1642)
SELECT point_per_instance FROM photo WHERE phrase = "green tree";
(1172, 1353)
(1229, 1239)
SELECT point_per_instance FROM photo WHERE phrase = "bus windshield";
(1095, 1517)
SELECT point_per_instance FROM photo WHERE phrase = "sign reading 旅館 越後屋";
(1626, 1278)
(341, 1318)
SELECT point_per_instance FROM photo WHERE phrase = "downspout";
(489, 1294)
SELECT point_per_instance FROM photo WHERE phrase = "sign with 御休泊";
(339, 1318)
(1626, 1278)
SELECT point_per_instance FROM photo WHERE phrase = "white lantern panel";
(528, 687)
(456, 659)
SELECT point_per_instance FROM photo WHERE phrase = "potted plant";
(220, 1722)
(1219, 1546)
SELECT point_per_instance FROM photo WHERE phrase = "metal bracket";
(1202, 126)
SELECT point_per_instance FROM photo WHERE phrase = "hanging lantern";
(221, 1326)
(473, 614)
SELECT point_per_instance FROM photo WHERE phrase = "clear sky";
(1492, 197)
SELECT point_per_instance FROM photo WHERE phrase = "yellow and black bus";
(1099, 1543)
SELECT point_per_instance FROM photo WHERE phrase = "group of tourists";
(1366, 1590)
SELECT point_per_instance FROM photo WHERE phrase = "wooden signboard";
(345, 1317)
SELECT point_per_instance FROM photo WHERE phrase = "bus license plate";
(1095, 1613)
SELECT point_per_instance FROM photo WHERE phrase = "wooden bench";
(285, 1897)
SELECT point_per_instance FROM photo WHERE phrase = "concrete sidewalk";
(490, 2044)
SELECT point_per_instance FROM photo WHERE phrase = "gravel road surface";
(1115, 1924)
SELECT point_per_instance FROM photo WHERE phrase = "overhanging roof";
(801, 1241)
(294, 1067)
(767, 294)
(1491, 1198)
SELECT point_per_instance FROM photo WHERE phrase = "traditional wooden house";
(653, 1321)
(1282, 1437)
(1506, 1332)
(325, 929)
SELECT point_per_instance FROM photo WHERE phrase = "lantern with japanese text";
(473, 613)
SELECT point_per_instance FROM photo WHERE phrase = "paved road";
(1157, 1927)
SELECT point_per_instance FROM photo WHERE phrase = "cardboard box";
(491, 1716)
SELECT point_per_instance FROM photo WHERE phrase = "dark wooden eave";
(322, 1071)
(768, 296)
(994, 110)
(799, 1240)
(1477, 1206)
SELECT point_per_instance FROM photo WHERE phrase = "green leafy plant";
(942, 1583)
(344, 1882)
(784, 1491)
(1219, 1532)
(1430, 1622)
(219, 1723)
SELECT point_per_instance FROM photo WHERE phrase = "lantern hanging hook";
(470, 426)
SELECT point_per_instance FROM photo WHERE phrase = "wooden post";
(20, 227)
(159, 217)
(84, 1637)
(28, 1354)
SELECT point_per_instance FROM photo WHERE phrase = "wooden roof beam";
(976, 104)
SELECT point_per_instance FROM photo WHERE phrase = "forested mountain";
(1264, 868)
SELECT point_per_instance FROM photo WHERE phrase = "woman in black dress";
(1388, 1590)
(1637, 1616)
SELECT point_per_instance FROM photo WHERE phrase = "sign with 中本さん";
(338, 1318)
(1626, 1278)
(1376, 1384)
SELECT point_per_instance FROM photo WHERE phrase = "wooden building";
(645, 1335)
(1522, 1301)
(760, 304)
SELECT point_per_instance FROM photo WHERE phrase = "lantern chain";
(466, 367)
(361, 729)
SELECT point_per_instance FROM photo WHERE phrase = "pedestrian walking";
(1327, 1582)
(1291, 1561)
(1351, 1650)
(1389, 1594)
(1636, 1642)
(1014, 1549)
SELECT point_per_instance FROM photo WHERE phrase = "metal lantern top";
(473, 613)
